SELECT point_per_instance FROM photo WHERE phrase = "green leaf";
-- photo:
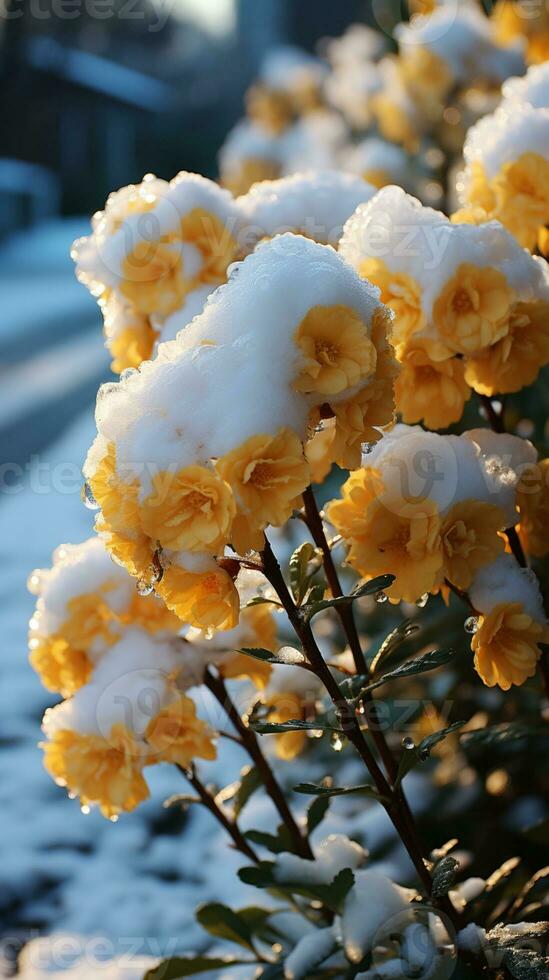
(220, 920)
(367, 588)
(276, 843)
(293, 725)
(502, 734)
(332, 895)
(260, 600)
(316, 593)
(392, 641)
(289, 656)
(444, 875)
(412, 756)
(316, 812)
(189, 966)
(259, 875)
(317, 789)
(419, 665)
(250, 780)
(351, 687)
(299, 574)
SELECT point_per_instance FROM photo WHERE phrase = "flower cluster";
(506, 155)
(124, 663)
(471, 307)
(526, 22)
(158, 248)
(432, 510)
(85, 604)
(133, 712)
(182, 466)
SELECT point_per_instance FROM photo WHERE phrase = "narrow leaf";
(250, 780)
(316, 812)
(316, 789)
(412, 756)
(293, 725)
(444, 875)
(190, 966)
(299, 577)
(220, 920)
(286, 655)
(392, 641)
(367, 588)
(419, 665)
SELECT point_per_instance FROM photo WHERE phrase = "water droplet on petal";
(336, 742)
(114, 818)
(381, 596)
(423, 600)
(89, 500)
(471, 624)
(408, 743)
(34, 581)
(143, 587)
(368, 447)
(85, 809)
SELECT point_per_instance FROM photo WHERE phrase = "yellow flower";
(319, 451)
(266, 474)
(177, 735)
(259, 631)
(543, 241)
(206, 600)
(522, 197)
(134, 345)
(470, 540)
(61, 660)
(472, 310)
(377, 178)
(435, 391)
(403, 540)
(533, 505)
(472, 215)
(287, 706)
(514, 361)
(153, 279)
(151, 614)
(506, 645)
(119, 521)
(218, 248)
(250, 171)
(61, 669)
(428, 80)
(401, 293)
(272, 110)
(99, 771)
(190, 510)
(337, 349)
(394, 125)
(359, 419)
(479, 192)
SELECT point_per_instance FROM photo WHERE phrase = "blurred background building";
(97, 92)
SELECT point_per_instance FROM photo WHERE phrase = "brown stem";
(313, 520)
(495, 418)
(346, 715)
(229, 825)
(516, 547)
(249, 741)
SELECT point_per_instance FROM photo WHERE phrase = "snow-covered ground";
(135, 883)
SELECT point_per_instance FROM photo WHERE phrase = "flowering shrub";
(270, 334)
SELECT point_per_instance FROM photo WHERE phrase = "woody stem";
(347, 718)
(250, 743)
(313, 520)
(229, 825)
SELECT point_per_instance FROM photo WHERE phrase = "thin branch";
(250, 743)
(346, 716)
(226, 822)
